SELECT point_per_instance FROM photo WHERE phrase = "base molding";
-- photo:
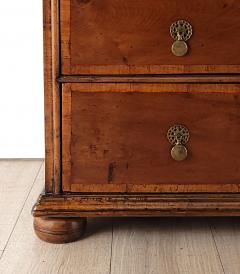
(137, 205)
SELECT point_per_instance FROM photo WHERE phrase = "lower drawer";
(114, 137)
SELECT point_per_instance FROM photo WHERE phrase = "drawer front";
(115, 137)
(131, 37)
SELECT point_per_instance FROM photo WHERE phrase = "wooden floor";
(126, 246)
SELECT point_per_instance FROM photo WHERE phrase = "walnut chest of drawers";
(142, 111)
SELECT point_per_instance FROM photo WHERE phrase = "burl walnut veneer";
(142, 110)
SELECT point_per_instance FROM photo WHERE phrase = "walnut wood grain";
(120, 137)
(125, 37)
(138, 205)
(160, 79)
(155, 188)
(52, 96)
(153, 87)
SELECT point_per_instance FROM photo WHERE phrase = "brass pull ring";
(181, 31)
(178, 136)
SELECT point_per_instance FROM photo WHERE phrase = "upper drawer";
(133, 37)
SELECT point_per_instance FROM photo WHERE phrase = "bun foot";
(59, 230)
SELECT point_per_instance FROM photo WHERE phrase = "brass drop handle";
(178, 136)
(181, 31)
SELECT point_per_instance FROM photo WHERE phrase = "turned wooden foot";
(59, 230)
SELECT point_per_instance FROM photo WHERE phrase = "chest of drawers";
(142, 110)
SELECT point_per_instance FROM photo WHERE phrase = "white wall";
(21, 79)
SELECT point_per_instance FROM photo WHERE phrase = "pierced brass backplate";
(178, 136)
(181, 31)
